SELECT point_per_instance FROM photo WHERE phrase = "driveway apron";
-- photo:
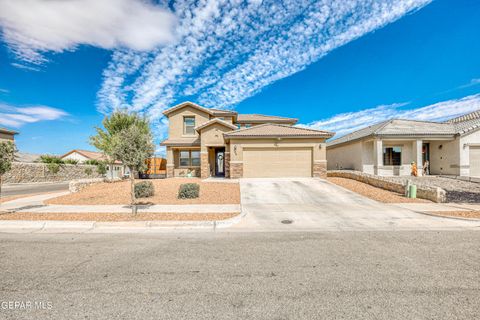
(300, 204)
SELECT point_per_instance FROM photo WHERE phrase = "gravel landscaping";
(166, 192)
(372, 192)
(112, 217)
(457, 190)
(459, 214)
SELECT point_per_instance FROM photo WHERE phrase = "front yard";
(117, 217)
(166, 192)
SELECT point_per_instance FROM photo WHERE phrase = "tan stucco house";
(208, 142)
(7, 135)
(388, 148)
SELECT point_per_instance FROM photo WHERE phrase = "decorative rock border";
(434, 194)
(77, 185)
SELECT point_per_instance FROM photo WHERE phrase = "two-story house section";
(207, 142)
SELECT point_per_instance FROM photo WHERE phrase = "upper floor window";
(392, 156)
(189, 125)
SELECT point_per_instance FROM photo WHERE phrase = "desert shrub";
(189, 191)
(50, 159)
(92, 162)
(88, 171)
(101, 167)
(70, 161)
(53, 167)
(144, 189)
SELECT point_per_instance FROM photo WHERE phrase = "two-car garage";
(277, 151)
(277, 162)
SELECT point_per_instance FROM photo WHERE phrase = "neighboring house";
(7, 135)
(388, 148)
(81, 156)
(211, 142)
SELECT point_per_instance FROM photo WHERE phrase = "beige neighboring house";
(388, 148)
(7, 135)
(209, 142)
(81, 156)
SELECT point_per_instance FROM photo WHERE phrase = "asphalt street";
(323, 275)
(31, 188)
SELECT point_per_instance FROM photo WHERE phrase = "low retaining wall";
(77, 185)
(430, 193)
(22, 172)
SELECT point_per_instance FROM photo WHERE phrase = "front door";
(220, 162)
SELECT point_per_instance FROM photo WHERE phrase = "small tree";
(112, 125)
(132, 146)
(7, 155)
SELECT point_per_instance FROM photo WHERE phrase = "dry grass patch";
(114, 217)
(458, 214)
(372, 192)
(166, 192)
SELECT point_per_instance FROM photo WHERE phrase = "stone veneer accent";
(236, 170)
(170, 171)
(23, 172)
(434, 194)
(227, 164)
(204, 165)
(320, 169)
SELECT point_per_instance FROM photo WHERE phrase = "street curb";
(61, 226)
(448, 217)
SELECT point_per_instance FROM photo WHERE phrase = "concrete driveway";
(315, 204)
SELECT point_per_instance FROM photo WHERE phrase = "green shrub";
(101, 167)
(50, 159)
(92, 162)
(70, 161)
(88, 171)
(53, 167)
(144, 189)
(189, 191)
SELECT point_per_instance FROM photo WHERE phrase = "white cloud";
(227, 51)
(348, 122)
(34, 27)
(13, 116)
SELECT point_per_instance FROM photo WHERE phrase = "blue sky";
(335, 65)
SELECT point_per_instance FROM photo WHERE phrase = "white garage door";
(475, 161)
(277, 162)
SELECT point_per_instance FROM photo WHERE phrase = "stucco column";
(417, 155)
(170, 162)
(377, 155)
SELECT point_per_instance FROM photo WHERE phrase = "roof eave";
(277, 136)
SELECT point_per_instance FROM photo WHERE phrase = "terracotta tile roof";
(194, 141)
(91, 155)
(8, 131)
(264, 118)
(278, 130)
(215, 120)
(219, 112)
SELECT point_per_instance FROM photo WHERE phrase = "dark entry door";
(220, 162)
